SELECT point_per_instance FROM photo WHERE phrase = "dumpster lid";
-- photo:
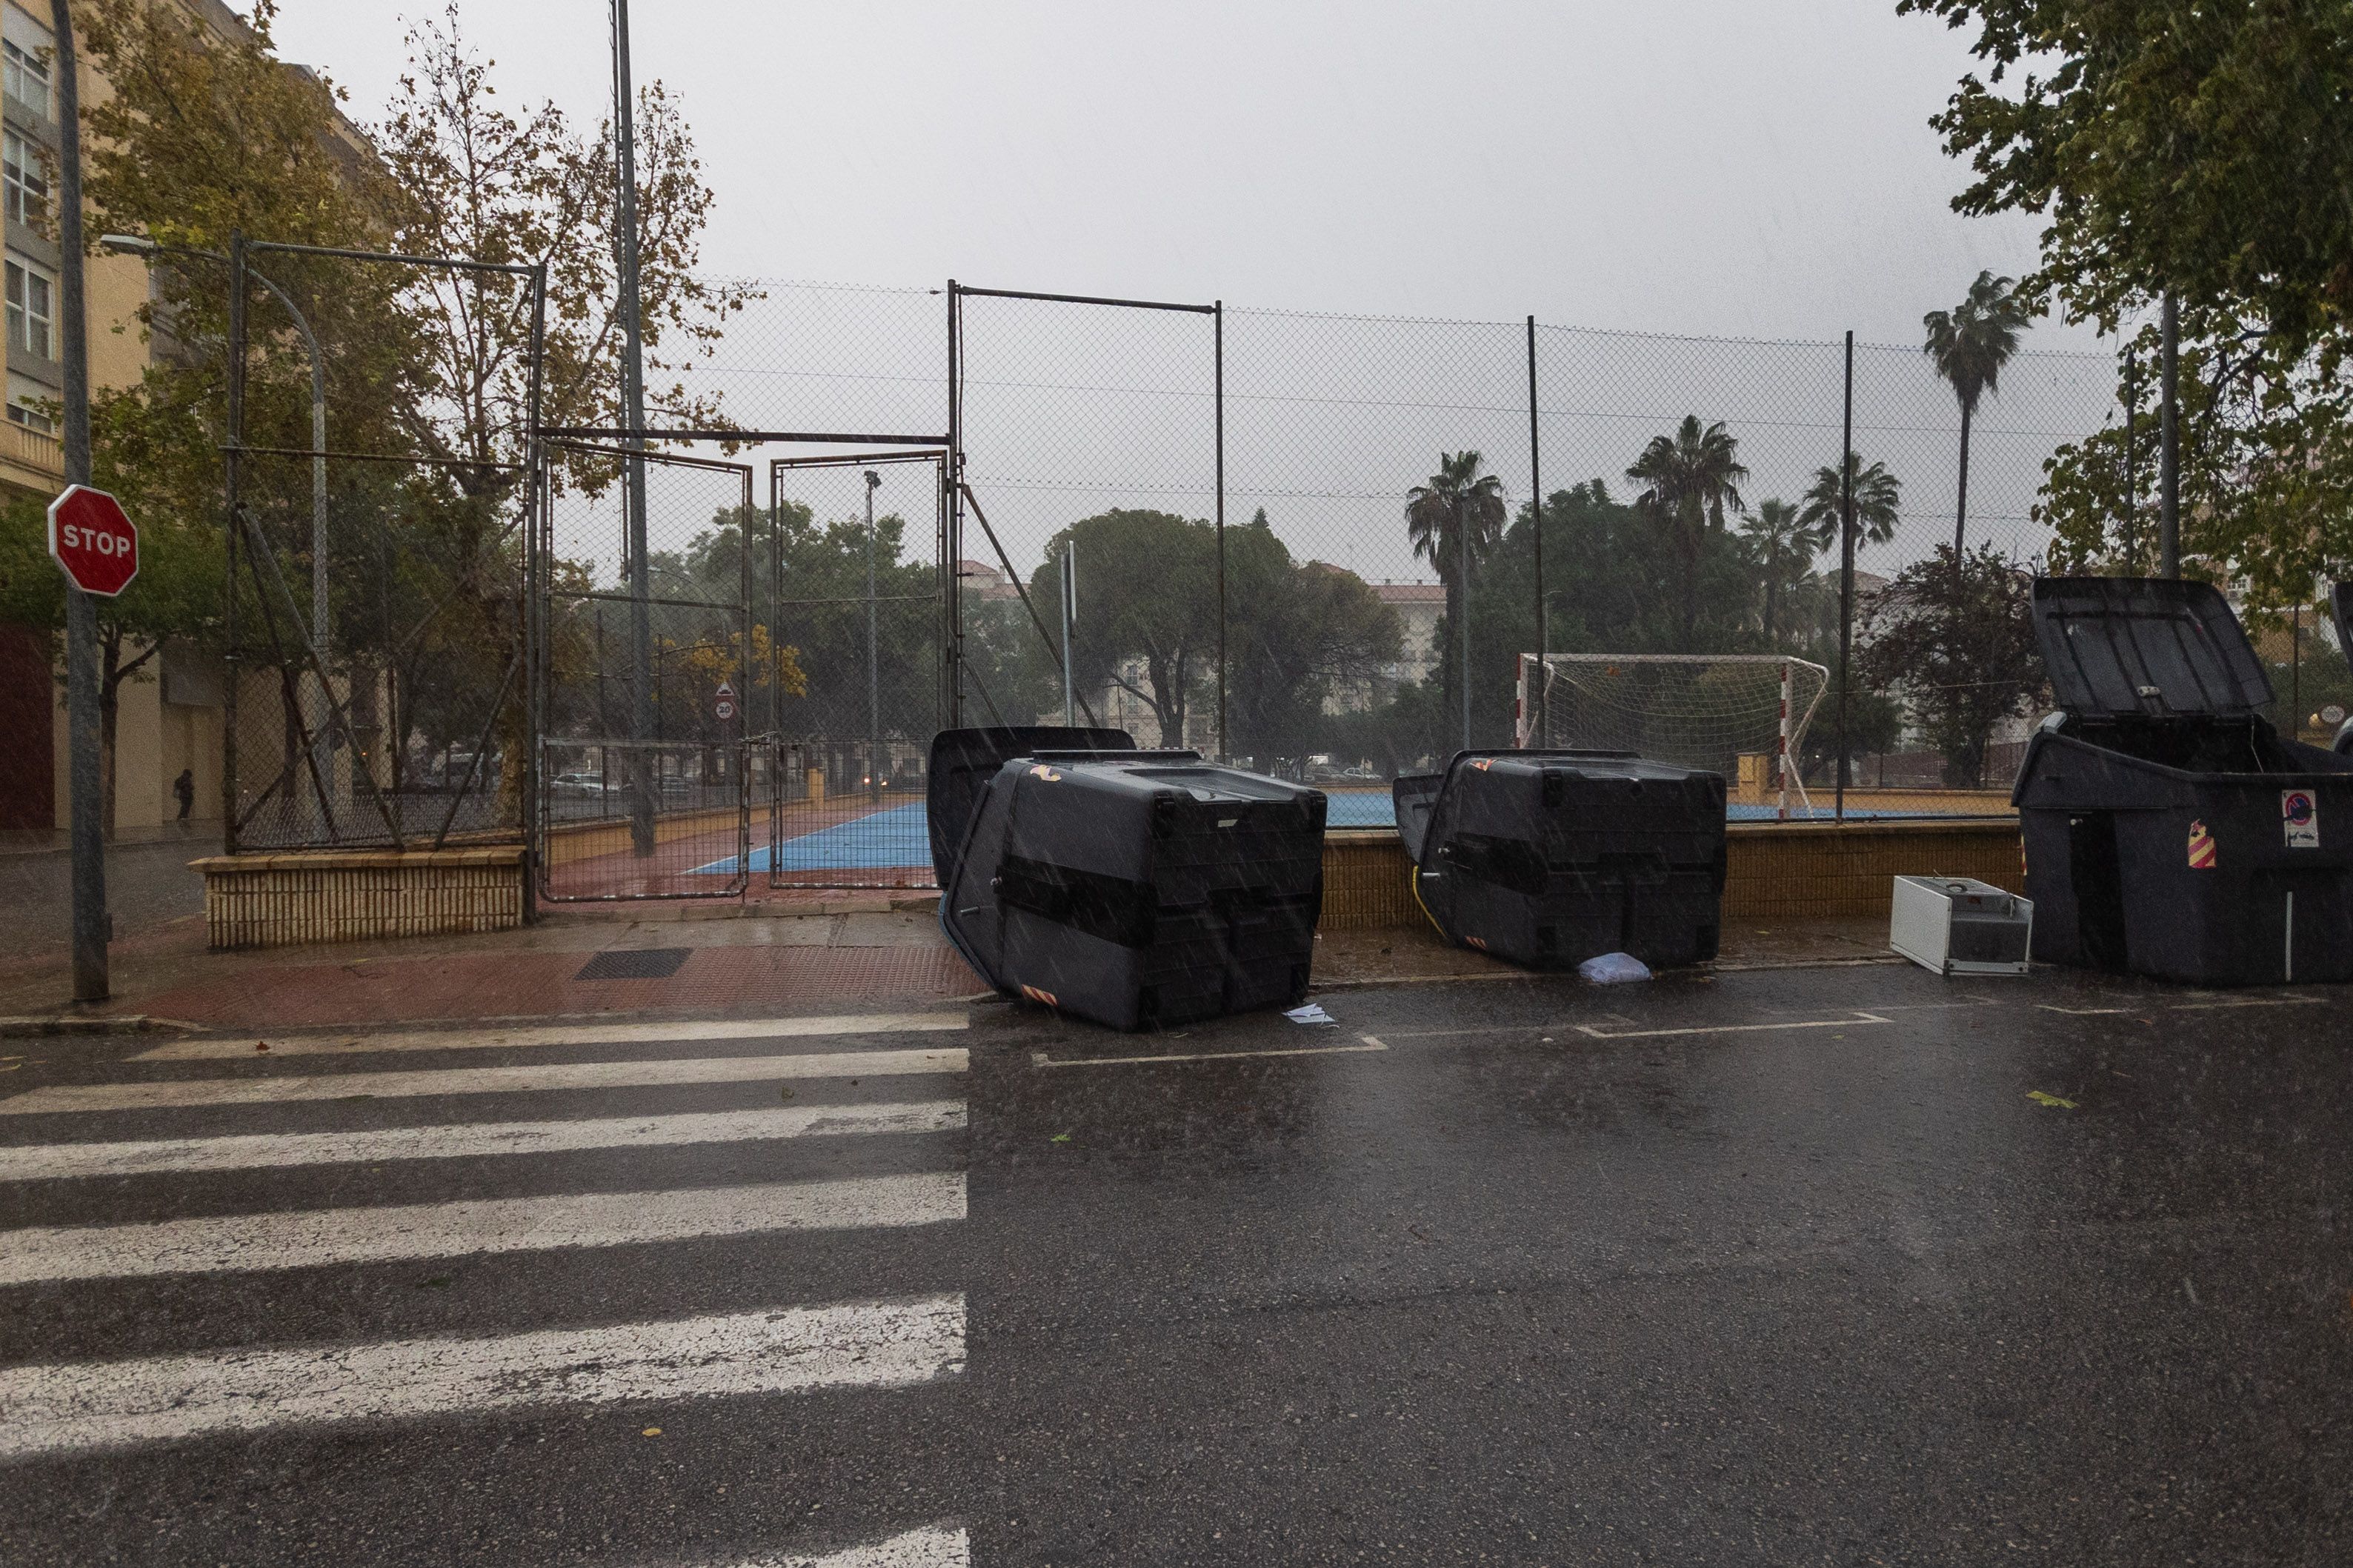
(2340, 600)
(963, 760)
(2146, 647)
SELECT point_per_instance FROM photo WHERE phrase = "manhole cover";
(635, 964)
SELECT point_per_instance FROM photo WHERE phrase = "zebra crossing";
(215, 1165)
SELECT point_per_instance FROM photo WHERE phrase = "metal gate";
(646, 660)
(861, 584)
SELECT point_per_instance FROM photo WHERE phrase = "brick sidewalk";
(755, 963)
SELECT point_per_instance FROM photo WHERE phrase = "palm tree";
(1453, 520)
(1878, 494)
(1970, 344)
(1784, 545)
(1691, 474)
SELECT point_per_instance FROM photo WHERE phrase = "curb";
(92, 1024)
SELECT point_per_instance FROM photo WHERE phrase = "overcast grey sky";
(1749, 167)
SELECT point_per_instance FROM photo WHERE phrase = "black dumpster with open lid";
(1132, 887)
(2169, 831)
(1550, 858)
(2341, 603)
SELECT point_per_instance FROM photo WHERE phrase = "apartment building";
(169, 714)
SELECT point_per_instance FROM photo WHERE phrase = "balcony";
(30, 459)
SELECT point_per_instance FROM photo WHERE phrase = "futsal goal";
(1742, 715)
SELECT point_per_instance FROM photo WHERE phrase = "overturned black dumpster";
(2170, 830)
(1550, 858)
(1133, 887)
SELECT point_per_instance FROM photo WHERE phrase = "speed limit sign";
(724, 704)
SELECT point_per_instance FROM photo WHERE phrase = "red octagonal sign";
(92, 539)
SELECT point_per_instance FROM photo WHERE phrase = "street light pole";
(633, 417)
(91, 923)
(873, 656)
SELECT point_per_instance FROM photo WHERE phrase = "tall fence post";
(535, 618)
(232, 463)
(2132, 463)
(1218, 318)
(952, 481)
(1846, 569)
(2168, 434)
(1543, 726)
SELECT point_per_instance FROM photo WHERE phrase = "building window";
(32, 418)
(24, 76)
(23, 181)
(32, 313)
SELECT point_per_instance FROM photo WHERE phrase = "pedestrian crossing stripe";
(85, 1405)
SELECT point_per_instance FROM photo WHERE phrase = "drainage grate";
(634, 963)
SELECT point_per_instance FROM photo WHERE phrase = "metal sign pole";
(86, 806)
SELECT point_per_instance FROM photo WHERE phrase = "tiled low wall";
(1772, 870)
(279, 900)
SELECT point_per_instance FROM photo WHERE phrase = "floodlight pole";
(85, 775)
(1069, 559)
(633, 417)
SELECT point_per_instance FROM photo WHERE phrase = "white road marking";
(939, 1546)
(39, 1161)
(480, 1080)
(242, 1046)
(408, 1231)
(1853, 1018)
(112, 1404)
(2081, 1012)
(1041, 1059)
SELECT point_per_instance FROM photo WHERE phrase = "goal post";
(1742, 715)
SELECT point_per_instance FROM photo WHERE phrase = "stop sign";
(92, 539)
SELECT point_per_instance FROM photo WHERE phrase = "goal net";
(1742, 715)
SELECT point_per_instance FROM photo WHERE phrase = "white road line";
(112, 1404)
(2081, 1012)
(41, 1161)
(301, 1239)
(242, 1046)
(1041, 1059)
(1853, 1018)
(939, 1546)
(480, 1080)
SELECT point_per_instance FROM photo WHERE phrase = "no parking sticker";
(2300, 818)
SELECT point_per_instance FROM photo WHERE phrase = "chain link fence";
(1305, 540)
(377, 605)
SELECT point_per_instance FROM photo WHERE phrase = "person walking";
(184, 789)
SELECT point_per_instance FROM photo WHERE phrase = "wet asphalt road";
(1774, 1268)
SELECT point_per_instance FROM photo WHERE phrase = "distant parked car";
(578, 786)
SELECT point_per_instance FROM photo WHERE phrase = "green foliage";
(1690, 478)
(2203, 149)
(1953, 638)
(1878, 502)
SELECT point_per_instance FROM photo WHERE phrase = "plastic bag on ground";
(1613, 969)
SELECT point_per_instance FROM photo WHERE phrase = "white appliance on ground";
(1954, 925)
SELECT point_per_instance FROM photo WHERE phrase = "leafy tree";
(1453, 520)
(1299, 635)
(2201, 150)
(1953, 637)
(480, 182)
(1691, 477)
(1969, 344)
(1784, 545)
(1148, 623)
(1878, 500)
